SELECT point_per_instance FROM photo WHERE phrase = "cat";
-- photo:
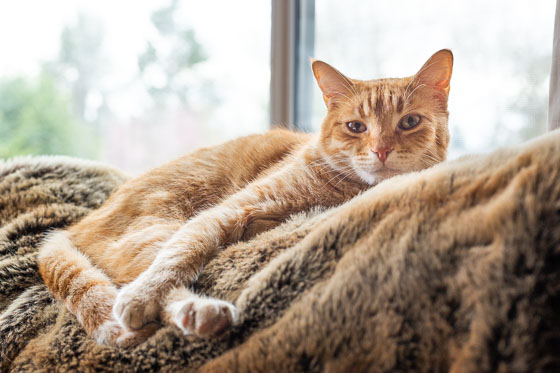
(127, 266)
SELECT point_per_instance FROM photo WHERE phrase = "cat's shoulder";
(269, 145)
(275, 137)
(246, 155)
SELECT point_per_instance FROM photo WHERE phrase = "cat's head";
(379, 128)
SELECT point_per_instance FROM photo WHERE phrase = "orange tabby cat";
(152, 237)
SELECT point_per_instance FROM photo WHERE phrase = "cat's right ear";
(436, 72)
(334, 85)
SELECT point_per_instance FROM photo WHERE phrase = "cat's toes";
(130, 338)
(134, 309)
(108, 332)
(203, 316)
(113, 334)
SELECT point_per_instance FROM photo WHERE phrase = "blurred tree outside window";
(136, 84)
(36, 117)
(132, 84)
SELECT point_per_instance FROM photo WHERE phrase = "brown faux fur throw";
(453, 268)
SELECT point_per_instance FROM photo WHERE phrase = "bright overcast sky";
(239, 55)
(30, 34)
(30, 30)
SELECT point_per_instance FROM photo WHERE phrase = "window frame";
(291, 81)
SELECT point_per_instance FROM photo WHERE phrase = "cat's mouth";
(372, 174)
(387, 170)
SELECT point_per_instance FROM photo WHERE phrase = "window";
(131, 83)
(503, 49)
(136, 84)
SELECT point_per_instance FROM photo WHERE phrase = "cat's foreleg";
(176, 264)
(85, 290)
(197, 242)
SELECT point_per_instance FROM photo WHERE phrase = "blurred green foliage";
(37, 118)
(81, 64)
(172, 55)
(45, 114)
(51, 113)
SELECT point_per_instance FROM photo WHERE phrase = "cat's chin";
(377, 176)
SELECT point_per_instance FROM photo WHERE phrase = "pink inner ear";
(443, 83)
(436, 76)
(436, 72)
(326, 86)
(331, 82)
(332, 86)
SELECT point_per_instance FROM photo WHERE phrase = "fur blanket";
(453, 268)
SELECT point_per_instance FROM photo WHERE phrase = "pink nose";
(382, 153)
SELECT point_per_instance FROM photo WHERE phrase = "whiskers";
(411, 93)
(338, 168)
(429, 158)
(342, 174)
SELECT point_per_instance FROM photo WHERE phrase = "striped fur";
(153, 236)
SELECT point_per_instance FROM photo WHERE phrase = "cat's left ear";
(436, 72)
(334, 85)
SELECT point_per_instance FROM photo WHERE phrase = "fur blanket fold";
(456, 268)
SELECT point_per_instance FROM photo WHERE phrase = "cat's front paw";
(203, 317)
(111, 333)
(134, 309)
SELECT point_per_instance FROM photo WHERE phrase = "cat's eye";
(357, 127)
(410, 121)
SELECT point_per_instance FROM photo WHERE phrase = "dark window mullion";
(292, 43)
(305, 48)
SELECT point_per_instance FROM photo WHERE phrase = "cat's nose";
(382, 153)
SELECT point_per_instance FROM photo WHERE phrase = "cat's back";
(179, 189)
(207, 175)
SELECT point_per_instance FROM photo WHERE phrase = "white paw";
(108, 332)
(131, 338)
(134, 309)
(113, 334)
(203, 316)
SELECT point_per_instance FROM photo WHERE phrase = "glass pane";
(131, 83)
(502, 49)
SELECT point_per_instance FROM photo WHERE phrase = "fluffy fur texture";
(130, 264)
(450, 269)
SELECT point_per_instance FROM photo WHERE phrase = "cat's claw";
(203, 317)
(133, 309)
